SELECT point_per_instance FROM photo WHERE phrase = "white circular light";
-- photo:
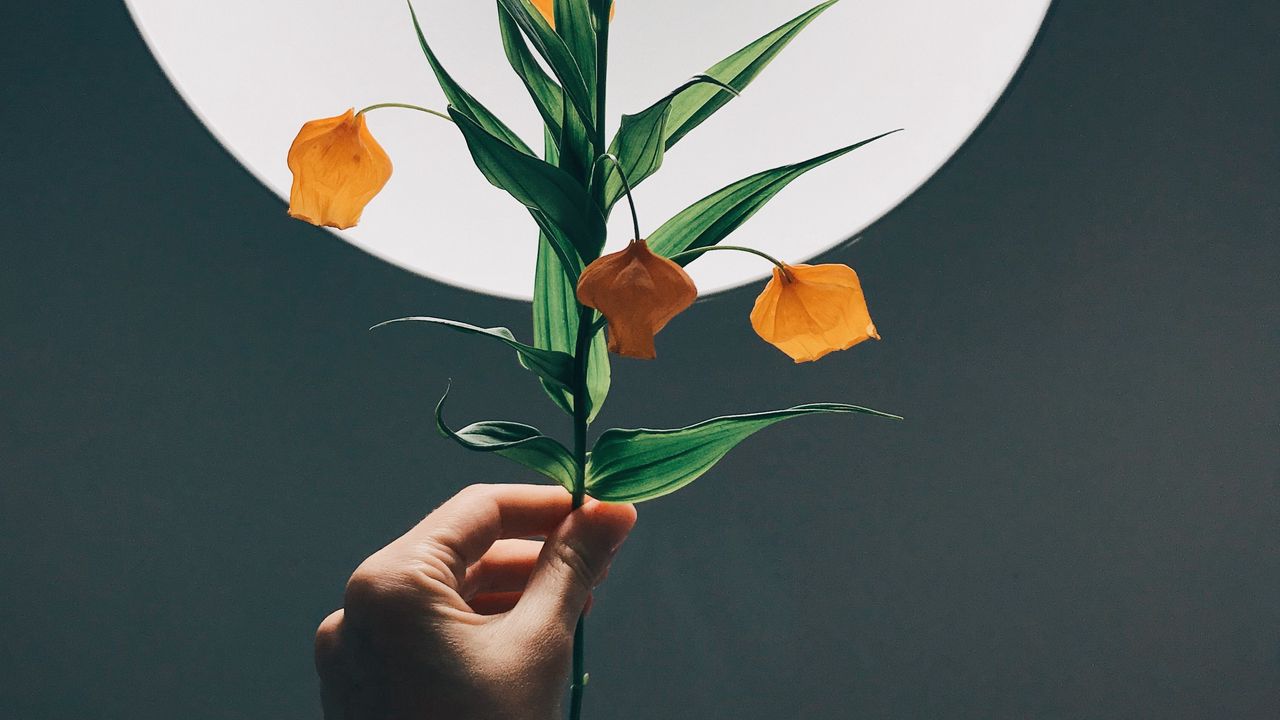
(255, 70)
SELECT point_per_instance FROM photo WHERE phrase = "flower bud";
(808, 311)
(638, 293)
(337, 169)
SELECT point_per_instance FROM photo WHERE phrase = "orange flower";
(547, 8)
(638, 293)
(811, 310)
(337, 169)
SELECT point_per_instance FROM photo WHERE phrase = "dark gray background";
(199, 439)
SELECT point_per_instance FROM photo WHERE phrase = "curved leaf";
(712, 218)
(737, 70)
(465, 101)
(641, 141)
(555, 321)
(547, 95)
(552, 194)
(637, 465)
(574, 25)
(516, 442)
(555, 368)
(557, 54)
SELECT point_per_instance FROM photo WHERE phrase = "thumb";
(574, 559)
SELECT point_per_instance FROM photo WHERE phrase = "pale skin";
(464, 617)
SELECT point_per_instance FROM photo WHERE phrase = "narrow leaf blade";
(516, 442)
(574, 25)
(555, 319)
(555, 368)
(553, 49)
(737, 70)
(547, 95)
(465, 101)
(555, 197)
(638, 465)
(714, 217)
(640, 142)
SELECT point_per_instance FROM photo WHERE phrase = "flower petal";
(338, 167)
(819, 309)
(639, 293)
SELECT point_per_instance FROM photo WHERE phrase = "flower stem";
(406, 106)
(626, 185)
(581, 411)
(582, 349)
(691, 254)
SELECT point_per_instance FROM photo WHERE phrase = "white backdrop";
(255, 70)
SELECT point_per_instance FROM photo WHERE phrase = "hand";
(462, 619)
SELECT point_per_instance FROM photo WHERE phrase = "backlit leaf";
(641, 141)
(463, 100)
(714, 217)
(553, 49)
(737, 70)
(551, 194)
(547, 95)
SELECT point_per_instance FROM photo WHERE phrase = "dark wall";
(1080, 519)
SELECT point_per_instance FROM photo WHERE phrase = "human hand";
(462, 619)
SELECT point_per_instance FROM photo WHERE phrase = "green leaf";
(555, 322)
(714, 217)
(574, 25)
(557, 54)
(555, 368)
(519, 443)
(547, 95)
(577, 150)
(737, 70)
(641, 141)
(463, 100)
(555, 314)
(599, 375)
(637, 465)
(558, 203)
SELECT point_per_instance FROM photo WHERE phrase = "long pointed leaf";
(555, 368)
(555, 320)
(641, 141)
(516, 442)
(637, 465)
(574, 26)
(737, 70)
(714, 217)
(554, 196)
(547, 95)
(557, 54)
(465, 101)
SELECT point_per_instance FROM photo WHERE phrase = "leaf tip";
(385, 323)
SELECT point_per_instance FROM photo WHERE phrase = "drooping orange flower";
(337, 169)
(808, 311)
(547, 8)
(638, 293)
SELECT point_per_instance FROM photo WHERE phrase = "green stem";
(581, 411)
(406, 106)
(582, 349)
(626, 185)
(690, 254)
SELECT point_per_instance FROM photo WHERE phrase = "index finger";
(469, 523)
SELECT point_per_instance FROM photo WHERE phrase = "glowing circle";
(254, 71)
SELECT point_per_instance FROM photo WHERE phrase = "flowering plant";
(587, 305)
